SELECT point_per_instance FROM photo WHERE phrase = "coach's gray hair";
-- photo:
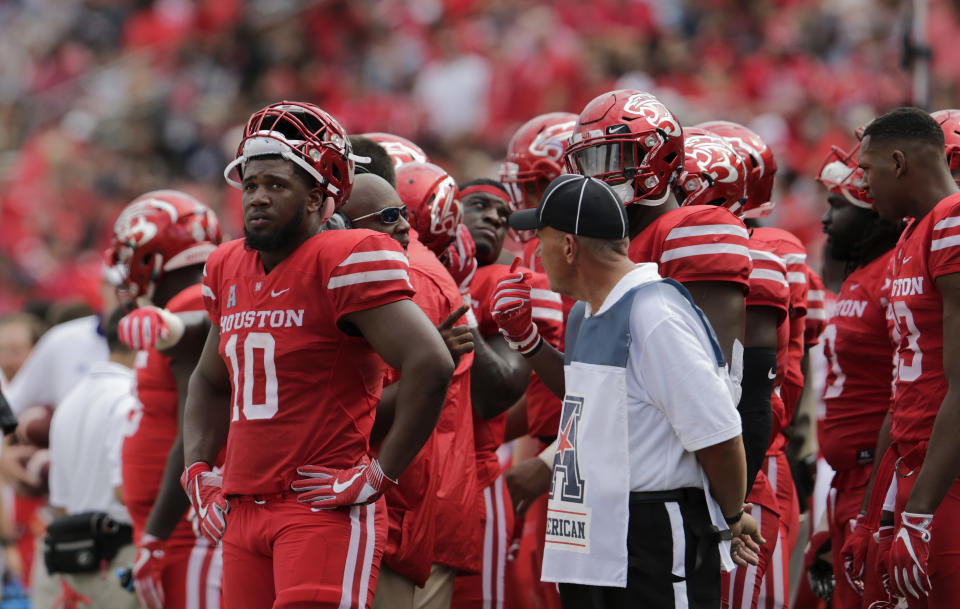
(605, 248)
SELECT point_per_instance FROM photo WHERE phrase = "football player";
(908, 176)
(161, 241)
(856, 345)
(435, 511)
(304, 323)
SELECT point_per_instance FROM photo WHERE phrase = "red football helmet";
(160, 231)
(400, 149)
(950, 123)
(303, 134)
(842, 175)
(631, 141)
(535, 156)
(760, 162)
(433, 202)
(713, 173)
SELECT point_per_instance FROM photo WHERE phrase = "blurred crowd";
(101, 100)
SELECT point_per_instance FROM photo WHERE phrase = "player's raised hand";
(148, 571)
(325, 488)
(511, 307)
(205, 490)
(459, 339)
(460, 258)
(149, 327)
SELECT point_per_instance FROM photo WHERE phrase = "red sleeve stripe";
(367, 277)
(947, 223)
(706, 230)
(792, 259)
(705, 250)
(760, 255)
(547, 314)
(206, 291)
(816, 296)
(816, 313)
(769, 275)
(374, 256)
(942, 244)
(545, 295)
(797, 277)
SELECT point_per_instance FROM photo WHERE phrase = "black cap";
(578, 205)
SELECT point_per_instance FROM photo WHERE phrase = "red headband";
(487, 189)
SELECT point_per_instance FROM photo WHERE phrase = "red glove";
(148, 571)
(461, 259)
(854, 553)
(909, 554)
(884, 539)
(511, 307)
(819, 572)
(326, 488)
(149, 327)
(205, 490)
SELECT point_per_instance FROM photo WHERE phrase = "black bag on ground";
(80, 543)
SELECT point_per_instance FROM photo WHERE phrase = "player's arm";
(172, 503)
(206, 412)
(941, 466)
(498, 378)
(406, 340)
(759, 369)
(724, 305)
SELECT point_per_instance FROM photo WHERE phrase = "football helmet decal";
(158, 232)
(303, 134)
(433, 202)
(760, 162)
(713, 173)
(400, 149)
(535, 156)
(631, 141)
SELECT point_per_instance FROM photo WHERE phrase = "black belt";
(679, 495)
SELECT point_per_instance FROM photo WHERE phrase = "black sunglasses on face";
(388, 215)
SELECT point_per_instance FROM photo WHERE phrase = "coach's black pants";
(673, 558)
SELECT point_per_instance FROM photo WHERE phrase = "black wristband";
(535, 350)
(734, 519)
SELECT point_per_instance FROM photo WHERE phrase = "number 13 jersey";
(928, 249)
(304, 386)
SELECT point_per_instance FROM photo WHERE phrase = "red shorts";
(192, 575)
(741, 588)
(281, 554)
(777, 470)
(486, 589)
(944, 562)
(775, 586)
(843, 505)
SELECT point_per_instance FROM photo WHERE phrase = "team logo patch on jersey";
(568, 518)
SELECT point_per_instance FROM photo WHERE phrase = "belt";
(679, 495)
(261, 498)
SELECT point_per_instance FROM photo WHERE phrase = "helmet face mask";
(841, 174)
(631, 141)
(305, 135)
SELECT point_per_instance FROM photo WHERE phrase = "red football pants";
(944, 563)
(843, 505)
(524, 588)
(280, 554)
(741, 587)
(485, 590)
(192, 575)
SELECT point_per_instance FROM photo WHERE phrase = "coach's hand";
(527, 481)
(148, 571)
(745, 545)
(854, 553)
(325, 488)
(459, 339)
(205, 490)
(149, 327)
(512, 309)
(909, 554)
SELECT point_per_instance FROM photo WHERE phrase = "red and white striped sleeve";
(816, 319)
(210, 285)
(710, 244)
(945, 240)
(373, 272)
(797, 278)
(768, 279)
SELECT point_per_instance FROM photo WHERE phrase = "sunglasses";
(388, 215)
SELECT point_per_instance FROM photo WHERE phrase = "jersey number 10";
(255, 342)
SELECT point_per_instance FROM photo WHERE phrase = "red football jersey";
(153, 428)
(858, 353)
(816, 319)
(696, 243)
(768, 279)
(927, 250)
(305, 389)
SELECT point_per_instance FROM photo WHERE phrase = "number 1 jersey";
(304, 385)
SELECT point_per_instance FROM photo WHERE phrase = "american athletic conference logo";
(568, 518)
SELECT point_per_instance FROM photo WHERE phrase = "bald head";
(369, 196)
